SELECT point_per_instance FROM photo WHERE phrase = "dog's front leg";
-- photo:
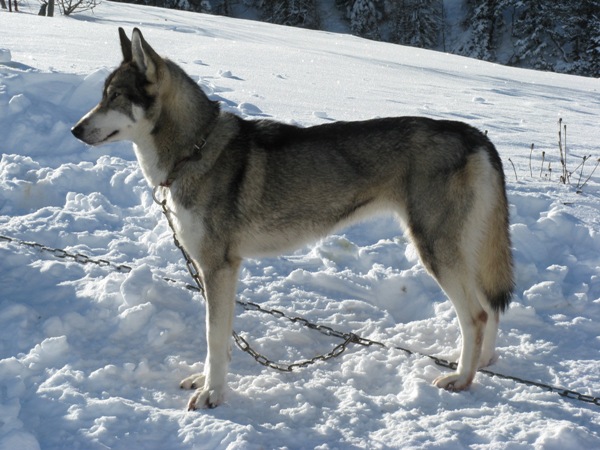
(220, 286)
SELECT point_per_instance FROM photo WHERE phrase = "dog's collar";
(195, 156)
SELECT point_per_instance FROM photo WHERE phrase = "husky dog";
(240, 188)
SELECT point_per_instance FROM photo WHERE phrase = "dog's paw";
(205, 398)
(453, 382)
(195, 381)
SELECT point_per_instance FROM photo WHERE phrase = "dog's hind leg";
(473, 322)
(220, 285)
(488, 348)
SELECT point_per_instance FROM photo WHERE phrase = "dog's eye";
(113, 96)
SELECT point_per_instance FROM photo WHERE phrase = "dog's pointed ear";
(144, 56)
(125, 45)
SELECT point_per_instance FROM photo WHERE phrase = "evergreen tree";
(364, 18)
(591, 51)
(584, 37)
(299, 13)
(484, 20)
(540, 29)
(418, 23)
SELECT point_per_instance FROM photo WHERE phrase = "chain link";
(323, 329)
(63, 254)
(189, 263)
(289, 367)
(348, 338)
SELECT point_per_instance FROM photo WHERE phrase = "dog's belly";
(275, 242)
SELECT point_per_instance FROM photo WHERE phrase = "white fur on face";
(101, 126)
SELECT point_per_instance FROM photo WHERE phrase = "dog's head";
(130, 97)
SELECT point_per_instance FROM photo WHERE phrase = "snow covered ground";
(91, 358)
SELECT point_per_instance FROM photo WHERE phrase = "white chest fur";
(188, 227)
(147, 157)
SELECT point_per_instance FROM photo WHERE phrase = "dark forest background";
(561, 36)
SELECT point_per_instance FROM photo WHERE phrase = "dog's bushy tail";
(495, 257)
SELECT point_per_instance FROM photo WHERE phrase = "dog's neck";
(196, 153)
(177, 137)
(179, 165)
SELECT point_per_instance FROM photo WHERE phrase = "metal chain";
(80, 258)
(323, 329)
(289, 367)
(348, 338)
(189, 263)
(63, 254)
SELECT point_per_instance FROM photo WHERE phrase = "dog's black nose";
(77, 131)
